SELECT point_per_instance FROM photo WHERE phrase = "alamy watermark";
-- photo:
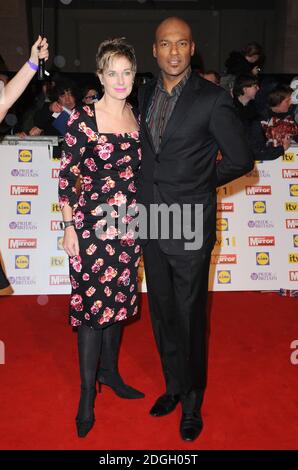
(160, 221)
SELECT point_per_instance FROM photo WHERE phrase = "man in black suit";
(185, 120)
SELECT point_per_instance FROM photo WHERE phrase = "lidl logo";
(288, 157)
(259, 207)
(293, 190)
(22, 262)
(224, 277)
(60, 243)
(222, 225)
(24, 207)
(57, 261)
(293, 258)
(25, 156)
(291, 206)
(295, 241)
(263, 259)
(55, 207)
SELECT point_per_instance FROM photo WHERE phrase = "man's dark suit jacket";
(185, 170)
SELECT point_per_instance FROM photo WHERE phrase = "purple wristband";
(32, 65)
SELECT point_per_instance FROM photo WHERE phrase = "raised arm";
(15, 87)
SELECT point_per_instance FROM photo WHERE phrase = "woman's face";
(117, 78)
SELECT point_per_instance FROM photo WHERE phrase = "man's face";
(173, 49)
(284, 106)
(251, 91)
(67, 99)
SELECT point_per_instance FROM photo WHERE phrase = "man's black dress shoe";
(164, 405)
(191, 426)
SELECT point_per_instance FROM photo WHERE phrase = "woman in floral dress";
(102, 148)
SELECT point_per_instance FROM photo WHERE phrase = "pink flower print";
(87, 316)
(109, 274)
(121, 315)
(65, 160)
(124, 257)
(74, 321)
(138, 249)
(74, 283)
(96, 306)
(78, 218)
(134, 297)
(91, 249)
(118, 199)
(127, 239)
(109, 184)
(75, 262)
(102, 139)
(108, 291)
(63, 183)
(89, 292)
(114, 214)
(132, 188)
(82, 201)
(108, 313)
(82, 150)
(75, 170)
(131, 289)
(126, 219)
(108, 166)
(110, 234)
(97, 210)
(104, 151)
(63, 200)
(76, 302)
(110, 249)
(87, 180)
(73, 117)
(88, 132)
(140, 153)
(123, 160)
(88, 110)
(134, 135)
(86, 277)
(120, 297)
(124, 279)
(97, 265)
(126, 174)
(90, 164)
(94, 196)
(137, 262)
(125, 146)
(71, 140)
(86, 234)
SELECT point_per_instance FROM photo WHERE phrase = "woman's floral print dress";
(104, 275)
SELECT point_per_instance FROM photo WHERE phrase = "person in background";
(212, 76)
(89, 94)
(15, 87)
(11, 91)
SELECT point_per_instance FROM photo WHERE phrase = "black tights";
(97, 346)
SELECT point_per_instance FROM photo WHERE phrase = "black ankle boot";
(85, 417)
(114, 380)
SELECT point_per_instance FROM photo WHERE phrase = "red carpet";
(251, 400)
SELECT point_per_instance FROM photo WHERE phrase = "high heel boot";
(89, 346)
(108, 373)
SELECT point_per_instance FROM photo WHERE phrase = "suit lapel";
(183, 105)
(148, 92)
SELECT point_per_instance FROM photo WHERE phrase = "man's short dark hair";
(243, 81)
(277, 95)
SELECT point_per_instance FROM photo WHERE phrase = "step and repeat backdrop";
(257, 224)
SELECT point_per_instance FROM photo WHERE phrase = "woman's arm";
(15, 87)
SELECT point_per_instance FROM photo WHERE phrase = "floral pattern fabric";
(104, 275)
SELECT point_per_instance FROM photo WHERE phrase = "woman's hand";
(70, 241)
(39, 50)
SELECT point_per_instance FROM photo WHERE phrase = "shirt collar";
(177, 88)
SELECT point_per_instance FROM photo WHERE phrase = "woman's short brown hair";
(110, 48)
